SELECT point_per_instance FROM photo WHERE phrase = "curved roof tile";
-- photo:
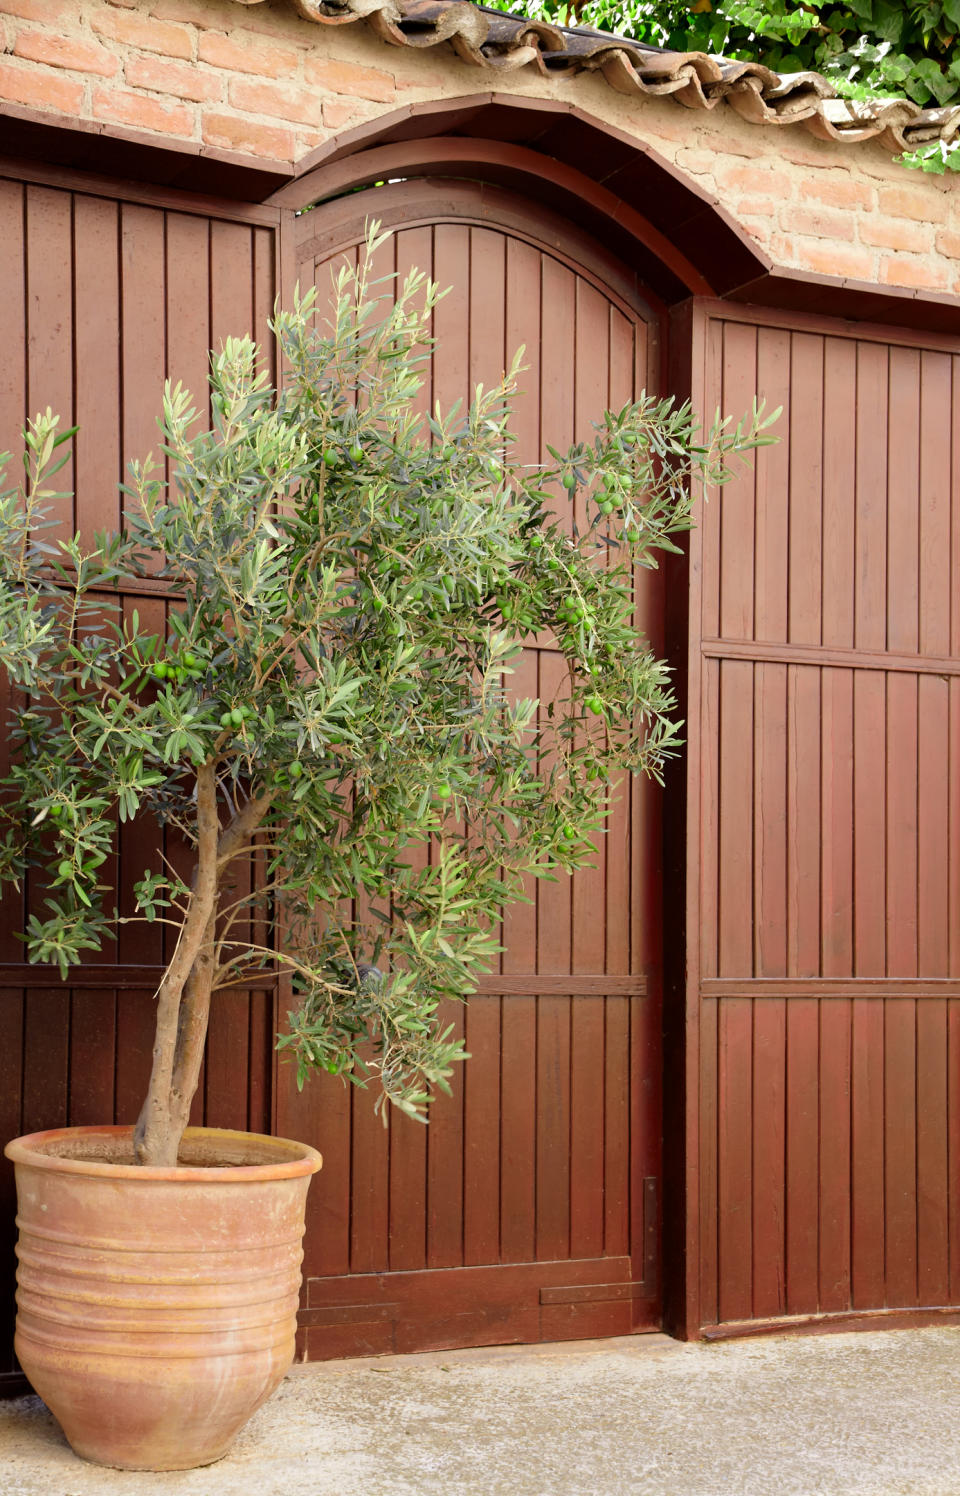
(493, 40)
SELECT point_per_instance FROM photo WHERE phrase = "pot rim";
(29, 1150)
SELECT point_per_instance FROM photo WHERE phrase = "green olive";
(444, 791)
(236, 717)
(356, 452)
(189, 660)
(226, 719)
(296, 770)
(594, 704)
(569, 480)
(331, 458)
(56, 811)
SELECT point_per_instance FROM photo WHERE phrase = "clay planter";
(156, 1308)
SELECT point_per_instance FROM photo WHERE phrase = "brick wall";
(259, 80)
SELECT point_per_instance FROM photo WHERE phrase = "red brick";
(262, 58)
(337, 113)
(135, 109)
(228, 132)
(837, 191)
(820, 223)
(351, 78)
(182, 79)
(202, 13)
(698, 161)
(65, 52)
(751, 179)
(836, 259)
(925, 205)
(897, 233)
(141, 31)
(948, 243)
(300, 105)
(897, 270)
(25, 85)
(756, 207)
(50, 11)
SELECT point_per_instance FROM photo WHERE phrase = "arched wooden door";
(528, 1209)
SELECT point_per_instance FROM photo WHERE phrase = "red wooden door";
(824, 854)
(527, 1210)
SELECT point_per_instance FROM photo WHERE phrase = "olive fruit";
(631, 535)
(356, 452)
(444, 791)
(160, 670)
(594, 704)
(331, 458)
(569, 480)
(296, 770)
(236, 717)
(56, 811)
(226, 719)
(189, 660)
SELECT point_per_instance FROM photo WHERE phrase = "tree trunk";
(159, 1129)
(183, 999)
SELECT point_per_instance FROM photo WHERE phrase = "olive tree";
(351, 587)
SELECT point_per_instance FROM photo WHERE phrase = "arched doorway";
(528, 1210)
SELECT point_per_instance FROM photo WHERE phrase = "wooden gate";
(824, 829)
(528, 1210)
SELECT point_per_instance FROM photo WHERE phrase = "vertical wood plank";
(900, 1151)
(518, 1062)
(901, 827)
(839, 490)
(933, 1167)
(836, 823)
(553, 1127)
(735, 817)
(773, 488)
(867, 1155)
(50, 331)
(869, 801)
(14, 404)
(903, 506)
(737, 503)
(709, 1266)
(770, 820)
(803, 1051)
(806, 488)
(97, 341)
(835, 1060)
(769, 1151)
(870, 577)
(93, 1027)
(616, 1090)
(734, 1166)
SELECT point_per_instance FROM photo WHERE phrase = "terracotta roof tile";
(493, 40)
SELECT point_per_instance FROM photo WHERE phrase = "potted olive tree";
(350, 587)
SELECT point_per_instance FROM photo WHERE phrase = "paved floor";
(839, 1415)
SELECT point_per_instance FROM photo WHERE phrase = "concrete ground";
(835, 1415)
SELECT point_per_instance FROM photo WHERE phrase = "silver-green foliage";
(352, 586)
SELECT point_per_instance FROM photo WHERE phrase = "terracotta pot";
(156, 1308)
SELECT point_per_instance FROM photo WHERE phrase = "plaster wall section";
(259, 80)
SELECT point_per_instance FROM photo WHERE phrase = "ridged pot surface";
(156, 1308)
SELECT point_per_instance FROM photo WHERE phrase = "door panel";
(527, 1210)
